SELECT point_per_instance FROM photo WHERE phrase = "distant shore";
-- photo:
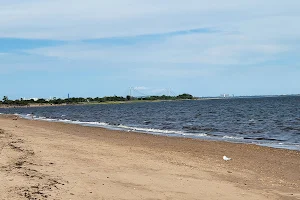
(81, 103)
(67, 161)
(30, 105)
(119, 100)
(95, 103)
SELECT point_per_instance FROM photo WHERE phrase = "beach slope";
(47, 160)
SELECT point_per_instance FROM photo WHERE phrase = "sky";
(52, 48)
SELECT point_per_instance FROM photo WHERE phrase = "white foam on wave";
(194, 134)
(123, 126)
(45, 119)
(100, 124)
(201, 135)
(64, 120)
(149, 130)
(163, 132)
(232, 137)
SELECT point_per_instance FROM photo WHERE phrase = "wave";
(100, 124)
(232, 137)
(202, 132)
(263, 138)
(116, 126)
(289, 128)
(150, 130)
(199, 128)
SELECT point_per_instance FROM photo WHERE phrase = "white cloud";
(212, 49)
(77, 19)
(250, 32)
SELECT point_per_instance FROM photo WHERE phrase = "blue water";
(273, 122)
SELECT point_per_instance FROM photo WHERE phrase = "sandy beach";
(49, 160)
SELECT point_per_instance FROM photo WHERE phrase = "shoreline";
(292, 147)
(131, 159)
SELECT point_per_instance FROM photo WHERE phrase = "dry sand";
(47, 160)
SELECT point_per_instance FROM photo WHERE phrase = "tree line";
(78, 100)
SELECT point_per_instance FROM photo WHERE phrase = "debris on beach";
(226, 158)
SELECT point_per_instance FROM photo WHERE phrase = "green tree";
(41, 101)
(184, 96)
(5, 99)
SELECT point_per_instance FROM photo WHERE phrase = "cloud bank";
(173, 39)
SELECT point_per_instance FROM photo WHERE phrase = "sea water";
(272, 121)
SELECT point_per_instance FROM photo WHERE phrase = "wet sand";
(49, 160)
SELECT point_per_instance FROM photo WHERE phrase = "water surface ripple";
(269, 121)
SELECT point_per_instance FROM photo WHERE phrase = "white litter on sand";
(226, 158)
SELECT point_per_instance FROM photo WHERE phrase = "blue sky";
(102, 48)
